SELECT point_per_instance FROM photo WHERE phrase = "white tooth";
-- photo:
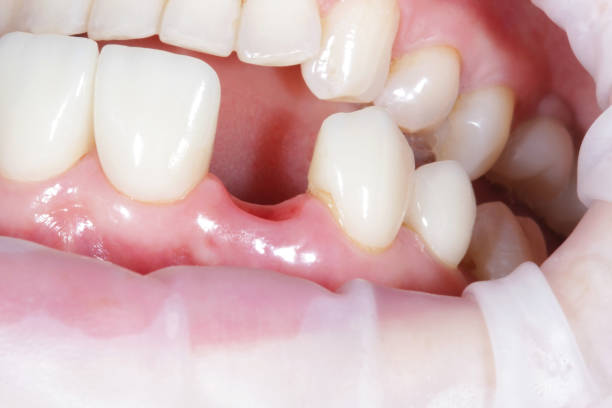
(353, 62)
(155, 121)
(422, 87)
(443, 209)
(202, 25)
(537, 162)
(54, 16)
(124, 19)
(7, 15)
(595, 161)
(362, 168)
(45, 103)
(537, 243)
(554, 107)
(477, 129)
(278, 33)
(498, 244)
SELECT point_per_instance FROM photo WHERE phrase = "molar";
(422, 87)
(155, 121)
(277, 33)
(362, 168)
(443, 209)
(477, 129)
(124, 19)
(208, 26)
(46, 103)
(53, 16)
(355, 54)
(499, 243)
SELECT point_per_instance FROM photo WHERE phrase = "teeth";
(54, 16)
(353, 62)
(537, 161)
(595, 161)
(208, 26)
(422, 87)
(535, 237)
(477, 129)
(45, 103)
(279, 33)
(443, 209)
(499, 243)
(124, 19)
(362, 168)
(155, 121)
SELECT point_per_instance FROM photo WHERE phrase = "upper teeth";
(124, 19)
(362, 167)
(354, 59)
(155, 121)
(45, 103)
(53, 16)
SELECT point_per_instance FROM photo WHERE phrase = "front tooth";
(537, 161)
(355, 54)
(278, 33)
(45, 103)
(54, 16)
(422, 87)
(477, 129)
(443, 209)
(124, 19)
(203, 25)
(155, 121)
(362, 168)
(499, 243)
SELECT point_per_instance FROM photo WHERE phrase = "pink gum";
(80, 212)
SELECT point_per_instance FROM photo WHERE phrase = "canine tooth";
(594, 161)
(362, 168)
(422, 87)
(443, 209)
(537, 160)
(477, 129)
(278, 33)
(353, 61)
(155, 121)
(208, 26)
(45, 104)
(124, 19)
(54, 16)
(499, 243)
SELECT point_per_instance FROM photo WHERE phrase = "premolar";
(477, 129)
(277, 33)
(155, 121)
(207, 26)
(353, 62)
(362, 168)
(443, 209)
(124, 19)
(422, 87)
(46, 103)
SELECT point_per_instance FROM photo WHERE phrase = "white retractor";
(537, 361)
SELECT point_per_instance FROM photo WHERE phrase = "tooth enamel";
(45, 103)
(355, 54)
(422, 87)
(499, 243)
(124, 19)
(594, 161)
(208, 26)
(443, 209)
(155, 121)
(477, 129)
(54, 16)
(278, 33)
(362, 168)
(535, 237)
(537, 161)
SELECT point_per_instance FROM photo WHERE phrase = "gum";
(81, 212)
